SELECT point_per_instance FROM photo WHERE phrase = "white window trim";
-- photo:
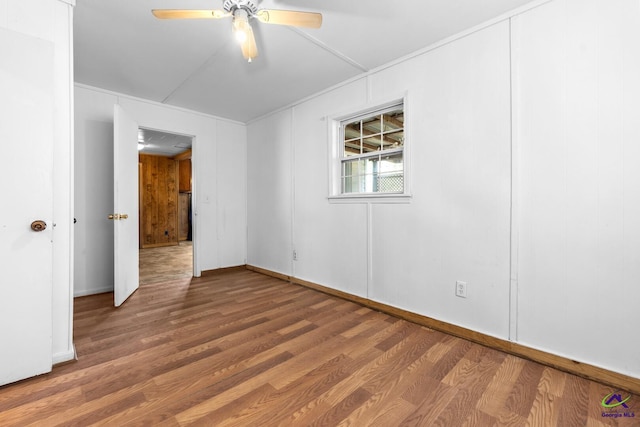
(335, 149)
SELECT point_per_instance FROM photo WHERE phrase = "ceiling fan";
(242, 11)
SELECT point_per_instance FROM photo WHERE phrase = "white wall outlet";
(295, 255)
(461, 289)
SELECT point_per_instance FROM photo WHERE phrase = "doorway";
(166, 250)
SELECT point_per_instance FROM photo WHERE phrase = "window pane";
(352, 130)
(352, 138)
(372, 143)
(351, 148)
(393, 139)
(372, 125)
(393, 120)
(352, 176)
(386, 174)
(366, 164)
(376, 174)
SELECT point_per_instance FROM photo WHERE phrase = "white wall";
(457, 225)
(93, 192)
(269, 203)
(326, 234)
(219, 162)
(550, 96)
(407, 255)
(578, 139)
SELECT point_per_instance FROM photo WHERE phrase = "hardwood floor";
(166, 263)
(242, 349)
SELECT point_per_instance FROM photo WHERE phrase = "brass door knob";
(38, 225)
(118, 216)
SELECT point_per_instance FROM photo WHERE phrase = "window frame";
(337, 157)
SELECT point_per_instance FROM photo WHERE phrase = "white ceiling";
(196, 64)
(160, 143)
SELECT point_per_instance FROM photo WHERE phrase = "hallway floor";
(166, 263)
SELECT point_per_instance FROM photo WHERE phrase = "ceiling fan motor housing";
(232, 5)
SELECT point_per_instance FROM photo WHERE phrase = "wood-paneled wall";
(158, 201)
(185, 176)
(184, 201)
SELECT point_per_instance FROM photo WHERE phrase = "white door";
(125, 204)
(26, 257)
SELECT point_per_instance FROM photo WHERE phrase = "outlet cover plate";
(461, 289)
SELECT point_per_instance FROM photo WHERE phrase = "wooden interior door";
(125, 203)
(26, 132)
(183, 216)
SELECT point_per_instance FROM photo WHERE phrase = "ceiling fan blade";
(189, 14)
(290, 17)
(249, 47)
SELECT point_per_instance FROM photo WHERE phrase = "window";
(372, 150)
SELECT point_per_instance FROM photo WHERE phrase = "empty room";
(367, 213)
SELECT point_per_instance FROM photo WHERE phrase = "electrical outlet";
(295, 255)
(461, 289)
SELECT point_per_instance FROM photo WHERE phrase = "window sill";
(371, 198)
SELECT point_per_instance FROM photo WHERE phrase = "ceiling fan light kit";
(240, 25)
(242, 11)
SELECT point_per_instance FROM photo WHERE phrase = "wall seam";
(293, 191)
(513, 214)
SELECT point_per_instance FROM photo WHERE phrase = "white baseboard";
(65, 356)
(85, 292)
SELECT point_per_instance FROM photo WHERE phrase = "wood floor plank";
(525, 390)
(406, 357)
(470, 378)
(230, 414)
(552, 382)
(422, 387)
(433, 403)
(394, 411)
(574, 411)
(340, 410)
(237, 348)
(442, 367)
(364, 364)
(41, 407)
(495, 395)
(386, 393)
(479, 418)
(223, 392)
(544, 411)
(94, 411)
(304, 363)
(274, 409)
(368, 374)
(593, 422)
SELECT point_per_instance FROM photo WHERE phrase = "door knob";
(38, 225)
(118, 216)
